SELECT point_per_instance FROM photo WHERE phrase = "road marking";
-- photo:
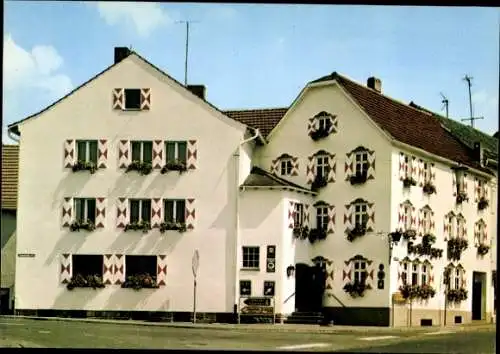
(11, 324)
(44, 332)
(436, 333)
(378, 338)
(304, 346)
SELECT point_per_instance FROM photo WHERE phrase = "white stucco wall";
(43, 183)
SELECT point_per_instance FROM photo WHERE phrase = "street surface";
(16, 332)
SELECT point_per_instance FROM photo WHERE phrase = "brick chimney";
(121, 53)
(198, 90)
(374, 83)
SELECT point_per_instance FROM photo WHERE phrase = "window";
(322, 166)
(245, 287)
(176, 151)
(407, 216)
(86, 265)
(361, 163)
(404, 273)
(140, 210)
(142, 151)
(427, 172)
(482, 189)
(175, 210)
(251, 256)
(85, 209)
(426, 213)
(424, 275)
(461, 227)
(86, 151)
(269, 288)
(132, 99)
(453, 226)
(360, 214)
(460, 177)
(298, 215)
(457, 279)
(408, 165)
(414, 274)
(139, 265)
(360, 272)
(286, 167)
(322, 217)
(325, 122)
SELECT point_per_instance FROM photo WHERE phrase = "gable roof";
(10, 170)
(263, 119)
(261, 178)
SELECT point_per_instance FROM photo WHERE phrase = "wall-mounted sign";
(26, 255)
(398, 298)
(262, 306)
(269, 288)
(271, 259)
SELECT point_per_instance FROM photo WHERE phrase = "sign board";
(195, 262)
(257, 306)
(26, 255)
(398, 298)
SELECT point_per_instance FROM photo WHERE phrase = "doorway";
(478, 285)
(4, 301)
(309, 287)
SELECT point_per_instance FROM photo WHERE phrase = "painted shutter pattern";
(432, 170)
(121, 213)
(145, 99)
(348, 166)
(119, 269)
(420, 173)
(401, 217)
(161, 272)
(348, 222)
(464, 278)
(332, 164)
(190, 214)
(334, 126)
(291, 211)
(100, 212)
(66, 268)
(158, 154)
(329, 275)
(420, 222)
(306, 215)
(414, 168)
(67, 212)
(331, 220)
(275, 166)
(454, 183)
(370, 225)
(477, 235)
(310, 169)
(102, 153)
(295, 166)
(310, 125)
(346, 272)
(432, 227)
(464, 227)
(370, 273)
(431, 273)
(124, 155)
(477, 190)
(118, 98)
(156, 208)
(413, 221)
(192, 154)
(465, 187)
(69, 153)
(446, 227)
(108, 269)
(402, 166)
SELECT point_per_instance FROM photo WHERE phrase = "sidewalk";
(294, 328)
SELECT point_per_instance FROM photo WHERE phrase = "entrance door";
(318, 287)
(303, 283)
(4, 301)
(477, 289)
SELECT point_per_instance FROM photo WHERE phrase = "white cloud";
(145, 17)
(486, 105)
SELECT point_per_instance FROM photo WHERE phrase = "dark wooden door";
(4, 301)
(303, 283)
(477, 288)
(317, 288)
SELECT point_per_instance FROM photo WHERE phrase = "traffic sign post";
(194, 266)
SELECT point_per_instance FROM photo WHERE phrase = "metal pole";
(194, 301)
(470, 99)
(187, 49)
(411, 301)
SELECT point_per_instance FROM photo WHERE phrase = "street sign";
(257, 306)
(195, 262)
(257, 301)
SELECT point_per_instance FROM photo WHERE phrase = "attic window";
(132, 99)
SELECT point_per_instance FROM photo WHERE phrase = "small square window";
(286, 167)
(175, 210)
(251, 257)
(132, 99)
(85, 209)
(245, 287)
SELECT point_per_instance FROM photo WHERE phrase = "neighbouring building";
(10, 155)
(347, 203)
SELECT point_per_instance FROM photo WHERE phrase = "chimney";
(198, 90)
(121, 53)
(374, 83)
(479, 153)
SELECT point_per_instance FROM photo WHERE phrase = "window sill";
(131, 109)
(250, 269)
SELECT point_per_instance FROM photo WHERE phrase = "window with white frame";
(360, 214)
(457, 278)
(424, 274)
(324, 122)
(176, 151)
(322, 166)
(460, 177)
(251, 257)
(360, 272)
(482, 188)
(86, 151)
(142, 151)
(426, 214)
(361, 163)
(460, 222)
(481, 229)
(140, 210)
(427, 171)
(404, 273)
(298, 215)
(286, 166)
(322, 217)
(85, 209)
(175, 210)
(414, 274)
(453, 225)
(407, 210)
(408, 165)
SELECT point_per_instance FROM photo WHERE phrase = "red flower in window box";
(483, 203)
(175, 165)
(482, 249)
(429, 188)
(84, 165)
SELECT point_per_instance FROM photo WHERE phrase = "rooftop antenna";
(445, 103)
(468, 79)
(187, 49)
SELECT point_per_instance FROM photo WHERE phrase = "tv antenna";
(468, 79)
(187, 49)
(445, 103)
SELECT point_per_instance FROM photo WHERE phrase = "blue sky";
(257, 56)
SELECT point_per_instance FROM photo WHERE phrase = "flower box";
(429, 188)
(357, 231)
(174, 226)
(428, 239)
(319, 182)
(175, 165)
(483, 203)
(482, 249)
(462, 197)
(318, 234)
(358, 178)
(144, 168)
(89, 281)
(455, 248)
(456, 295)
(410, 234)
(301, 232)
(319, 134)
(145, 226)
(408, 182)
(82, 225)
(396, 236)
(417, 291)
(84, 166)
(356, 289)
(140, 281)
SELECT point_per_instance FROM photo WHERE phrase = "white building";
(336, 158)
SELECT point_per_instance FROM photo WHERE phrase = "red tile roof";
(263, 119)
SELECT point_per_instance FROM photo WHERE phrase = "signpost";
(195, 263)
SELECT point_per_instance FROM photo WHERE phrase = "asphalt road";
(61, 334)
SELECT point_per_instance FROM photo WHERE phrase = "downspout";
(237, 223)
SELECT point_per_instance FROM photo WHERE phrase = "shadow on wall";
(259, 212)
(69, 242)
(74, 299)
(126, 241)
(72, 184)
(163, 182)
(128, 183)
(129, 299)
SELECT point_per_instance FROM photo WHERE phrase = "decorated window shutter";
(118, 98)
(69, 153)
(310, 126)
(431, 273)
(334, 126)
(156, 211)
(100, 212)
(158, 160)
(67, 212)
(192, 155)
(413, 221)
(400, 274)
(290, 214)
(161, 273)
(66, 270)
(370, 225)
(102, 157)
(329, 275)
(306, 215)
(421, 221)
(275, 166)
(432, 170)
(414, 168)
(348, 166)
(346, 272)
(122, 213)
(348, 222)
(295, 166)
(485, 234)
(310, 174)
(190, 214)
(446, 227)
(454, 183)
(432, 227)
(331, 220)
(370, 273)
(401, 216)
(464, 278)
(477, 235)
(420, 173)
(108, 269)
(465, 185)
(124, 154)
(402, 166)
(371, 165)
(332, 164)
(145, 99)
(119, 269)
